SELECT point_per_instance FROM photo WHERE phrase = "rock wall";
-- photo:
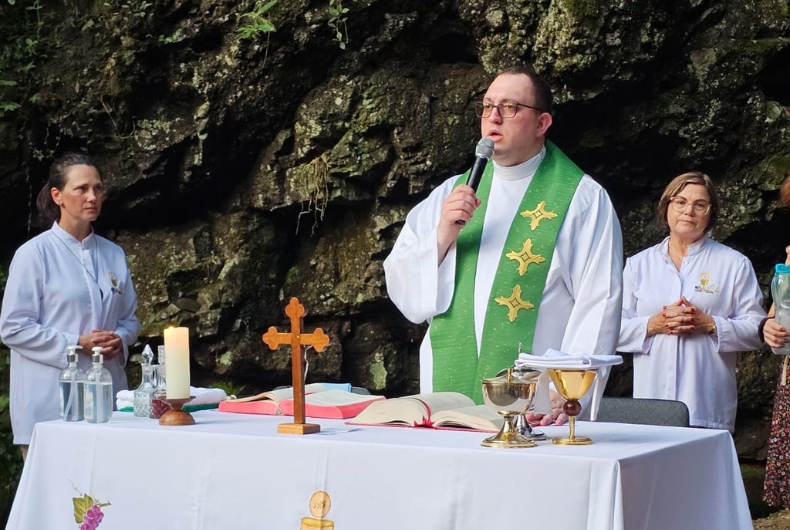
(242, 172)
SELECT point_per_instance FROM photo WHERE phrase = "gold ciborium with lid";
(509, 395)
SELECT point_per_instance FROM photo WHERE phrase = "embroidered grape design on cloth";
(88, 512)
(92, 518)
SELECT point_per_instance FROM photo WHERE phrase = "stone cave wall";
(242, 172)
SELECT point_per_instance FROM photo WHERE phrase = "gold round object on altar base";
(177, 416)
(509, 396)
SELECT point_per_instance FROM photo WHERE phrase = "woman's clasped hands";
(109, 342)
(681, 318)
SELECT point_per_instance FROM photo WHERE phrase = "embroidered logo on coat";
(705, 285)
(114, 282)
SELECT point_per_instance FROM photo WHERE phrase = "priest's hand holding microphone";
(459, 206)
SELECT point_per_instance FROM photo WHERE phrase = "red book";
(319, 403)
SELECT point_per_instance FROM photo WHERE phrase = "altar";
(233, 471)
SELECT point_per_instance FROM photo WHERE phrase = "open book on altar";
(441, 410)
(320, 402)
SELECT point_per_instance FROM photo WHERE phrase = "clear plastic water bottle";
(144, 393)
(98, 390)
(780, 290)
(71, 388)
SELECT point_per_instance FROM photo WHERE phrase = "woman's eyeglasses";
(679, 204)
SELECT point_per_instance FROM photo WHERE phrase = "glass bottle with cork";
(158, 405)
(143, 395)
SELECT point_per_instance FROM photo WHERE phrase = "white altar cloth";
(235, 472)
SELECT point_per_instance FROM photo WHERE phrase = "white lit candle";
(177, 355)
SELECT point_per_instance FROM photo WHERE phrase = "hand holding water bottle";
(776, 329)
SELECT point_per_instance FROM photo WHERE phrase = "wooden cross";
(319, 340)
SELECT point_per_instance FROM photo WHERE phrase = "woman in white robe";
(689, 305)
(66, 286)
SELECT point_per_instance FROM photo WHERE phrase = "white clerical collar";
(520, 171)
(68, 238)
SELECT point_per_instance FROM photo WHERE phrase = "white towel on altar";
(203, 396)
(557, 359)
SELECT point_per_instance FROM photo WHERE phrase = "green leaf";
(267, 26)
(7, 82)
(12, 2)
(268, 6)
(344, 10)
(334, 12)
(81, 506)
(342, 45)
(7, 106)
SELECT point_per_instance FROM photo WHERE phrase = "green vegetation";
(257, 23)
(21, 46)
(337, 19)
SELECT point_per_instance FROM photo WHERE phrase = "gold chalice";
(572, 385)
(509, 396)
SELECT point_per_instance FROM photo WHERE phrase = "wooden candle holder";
(177, 416)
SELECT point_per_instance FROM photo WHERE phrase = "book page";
(439, 401)
(478, 417)
(282, 393)
(411, 410)
(336, 398)
(397, 411)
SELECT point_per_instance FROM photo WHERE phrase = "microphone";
(483, 151)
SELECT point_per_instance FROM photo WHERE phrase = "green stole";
(518, 285)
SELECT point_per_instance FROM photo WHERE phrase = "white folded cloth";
(203, 396)
(557, 359)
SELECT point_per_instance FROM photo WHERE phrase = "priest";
(533, 257)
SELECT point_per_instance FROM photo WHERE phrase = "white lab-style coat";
(58, 289)
(698, 370)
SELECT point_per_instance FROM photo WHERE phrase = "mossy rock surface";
(244, 172)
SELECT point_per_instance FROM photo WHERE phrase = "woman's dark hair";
(48, 211)
(677, 185)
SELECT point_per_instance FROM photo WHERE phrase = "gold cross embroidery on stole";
(537, 215)
(514, 303)
(525, 258)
